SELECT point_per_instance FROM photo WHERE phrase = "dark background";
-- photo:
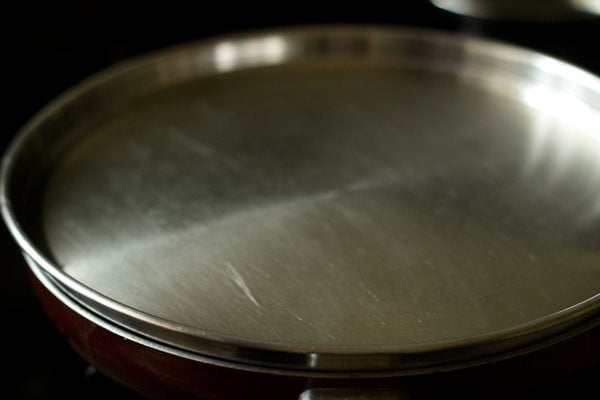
(48, 48)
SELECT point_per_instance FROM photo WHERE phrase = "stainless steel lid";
(327, 199)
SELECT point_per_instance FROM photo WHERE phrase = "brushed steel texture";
(329, 198)
(69, 298)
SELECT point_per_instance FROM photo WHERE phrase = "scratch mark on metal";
(239, 280)
(299, 318)
(369, 291)
(191, 143)
(377, 311)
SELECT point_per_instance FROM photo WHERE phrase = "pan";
(320, 207)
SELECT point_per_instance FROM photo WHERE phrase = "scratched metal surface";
(339, 203)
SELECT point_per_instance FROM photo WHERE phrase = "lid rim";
(564, 316)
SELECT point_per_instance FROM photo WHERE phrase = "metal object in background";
(352, 394)
(523, 10)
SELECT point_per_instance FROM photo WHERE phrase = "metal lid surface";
(340, 199)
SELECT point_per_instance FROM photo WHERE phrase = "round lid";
(328, 198)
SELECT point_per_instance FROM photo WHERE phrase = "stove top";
(54, 47)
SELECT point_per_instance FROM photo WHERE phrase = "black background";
(48, 48)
